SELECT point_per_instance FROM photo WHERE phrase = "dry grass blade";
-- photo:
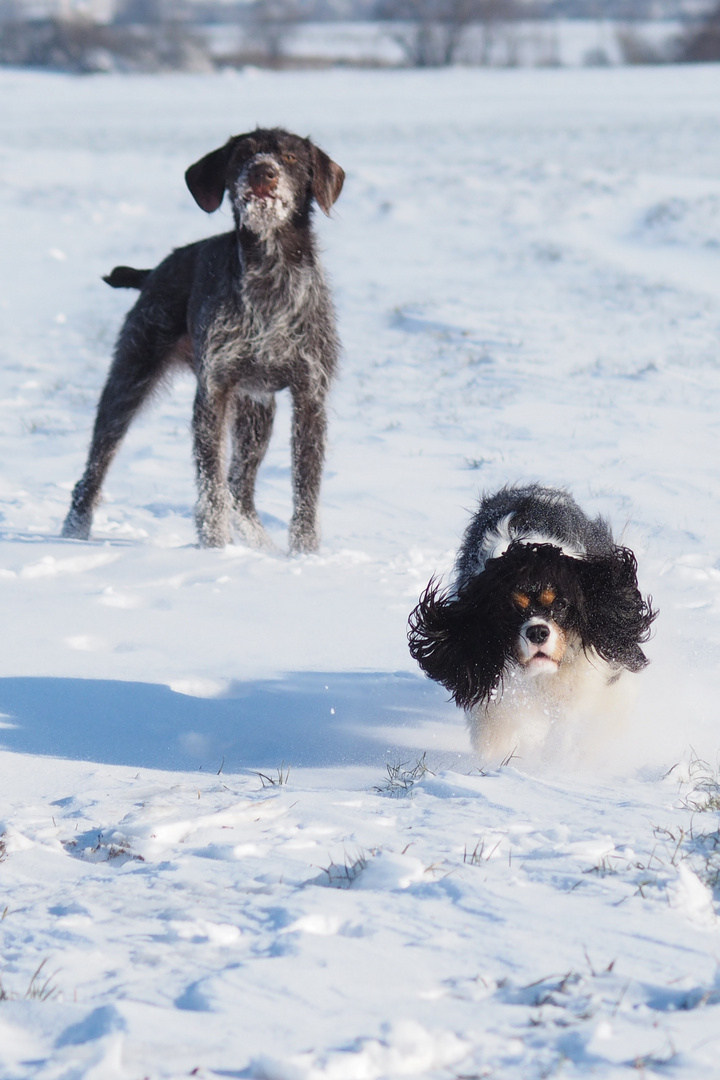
(400, 779)
(704, 794)
(477, 856)
(41, 987)
(342, 875)
(279, 780)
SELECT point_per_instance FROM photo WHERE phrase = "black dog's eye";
(289, 159)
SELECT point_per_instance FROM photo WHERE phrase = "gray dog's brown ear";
(206, 178)
(328, 179)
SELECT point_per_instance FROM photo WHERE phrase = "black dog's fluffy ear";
(454, 646)
(617, 618)
(206, 178)
(328, 180)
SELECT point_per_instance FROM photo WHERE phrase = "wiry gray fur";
(250, 313)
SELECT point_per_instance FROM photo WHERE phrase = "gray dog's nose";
(538, 633)
(264, 172)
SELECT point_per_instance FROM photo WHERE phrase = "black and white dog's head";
(272, 178)
(537, 583)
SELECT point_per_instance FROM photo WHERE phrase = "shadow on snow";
(305, 719)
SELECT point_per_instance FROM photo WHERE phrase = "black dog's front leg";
(251, 435)
(212, 512)
(308, 454)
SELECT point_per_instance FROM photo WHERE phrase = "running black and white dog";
(542, 620)
(250, 314)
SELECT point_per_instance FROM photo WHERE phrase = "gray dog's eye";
(289, 159)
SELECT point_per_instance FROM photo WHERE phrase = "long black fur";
(464, 638)
(249, 312)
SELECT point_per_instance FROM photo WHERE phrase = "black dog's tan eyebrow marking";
(547, 597)
(521, 600)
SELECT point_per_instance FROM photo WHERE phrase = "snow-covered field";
(527, 272)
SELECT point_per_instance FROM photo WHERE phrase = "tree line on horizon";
(165, 35)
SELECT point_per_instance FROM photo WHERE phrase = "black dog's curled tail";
(126, 277)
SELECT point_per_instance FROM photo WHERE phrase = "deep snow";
(527, 272)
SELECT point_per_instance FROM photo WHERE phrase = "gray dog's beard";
(263, 216)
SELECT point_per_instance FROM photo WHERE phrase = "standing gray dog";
(249, 312)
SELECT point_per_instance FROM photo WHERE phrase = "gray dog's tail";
(126, 277)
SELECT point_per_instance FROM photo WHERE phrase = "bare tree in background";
(702, 44)
(270, 25)
(149, 12)
(435, 29)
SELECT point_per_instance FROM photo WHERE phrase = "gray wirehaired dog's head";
(272, 178)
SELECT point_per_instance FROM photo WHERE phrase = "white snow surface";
(527, 273)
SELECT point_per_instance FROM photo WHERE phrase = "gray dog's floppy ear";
(206, 178)
(328, 179)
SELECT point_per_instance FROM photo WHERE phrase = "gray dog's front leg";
(308, 454)
(212, 512)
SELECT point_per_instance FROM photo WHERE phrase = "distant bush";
(702, 44)
(82, 46)
(596, 57)
(636, 49)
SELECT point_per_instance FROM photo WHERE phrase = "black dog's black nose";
(537, 633)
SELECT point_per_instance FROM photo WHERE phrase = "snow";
(223, 853)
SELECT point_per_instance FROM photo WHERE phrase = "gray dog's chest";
(264, 336)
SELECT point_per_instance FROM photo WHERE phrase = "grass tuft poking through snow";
(41, 987)
(280, 778)
(342, 875)
(402, 778)
(478, 856)
(704, 781)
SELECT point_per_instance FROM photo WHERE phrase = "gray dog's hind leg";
(134, 374)
(251, 433)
